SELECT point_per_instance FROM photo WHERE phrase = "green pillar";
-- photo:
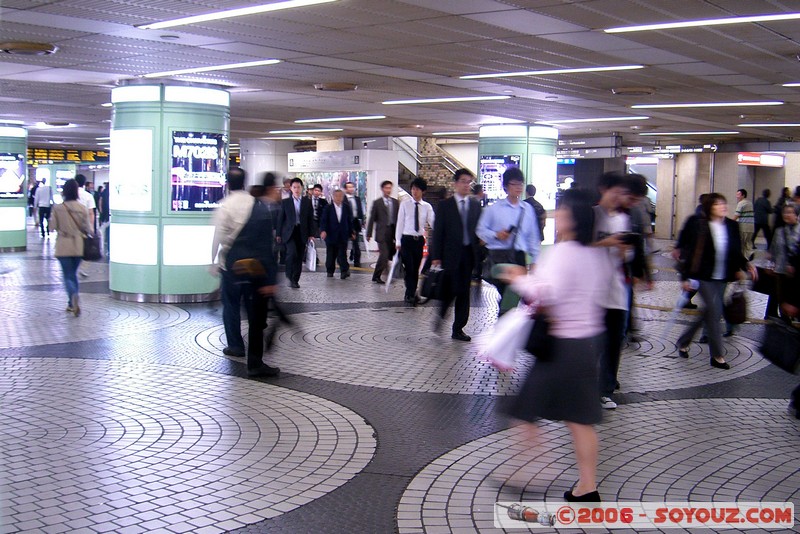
(13, 187)
(169, 154)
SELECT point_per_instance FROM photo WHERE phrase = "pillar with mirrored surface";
(169, 156)
(13, 186)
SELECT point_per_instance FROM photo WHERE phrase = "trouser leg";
(463, 281)
(256, 306)
(331, 250)
(609, 361)
(341, 257)
(383, 259)
(231, 294)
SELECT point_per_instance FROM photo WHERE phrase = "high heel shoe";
(592, 496)
(684, 352)
(719, 365)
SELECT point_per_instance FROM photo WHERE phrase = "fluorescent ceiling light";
(295, 138)
(6, 121)
(599, 119)
(770, 125)
(662, 134)
(793, 84)
(447, 99)
(340, 119)
(551, 71)
(46, 126)
(103, 138)
(230, 13)
(455, 133)
(706, 105)
(107, 104)
(320, 130)
(196, 70)
(704, 22)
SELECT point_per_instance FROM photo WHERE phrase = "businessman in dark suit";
(295, 227)
(383, 219)
(336, 228)
(454, 249)
(318, 203)
(358, 220)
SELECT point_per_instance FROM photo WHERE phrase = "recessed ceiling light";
(705, 105)
(455, 133)
(196, 70)
(102, 138)
(25, 48)
(107, 104)
(599, 119)
(446, 99)
(230, 13)
(336, 87)
(53, 125)
(769, 125)
(633, 91)
(340, 119)
(320, 130)
(170, 37)
(550, 71)
(705, 22)
(662, 134)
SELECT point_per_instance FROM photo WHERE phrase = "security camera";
(365, 145)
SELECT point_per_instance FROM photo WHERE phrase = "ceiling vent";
(337, 87)
(23, 48)
(634, 91)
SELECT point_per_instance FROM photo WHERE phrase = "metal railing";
(440, 158)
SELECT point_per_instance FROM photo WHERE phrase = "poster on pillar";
(199, 164)
(12, 175)
(492, 169)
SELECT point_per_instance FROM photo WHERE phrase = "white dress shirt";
(405, 219)
(338, 209)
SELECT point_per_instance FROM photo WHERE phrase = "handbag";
(432, 285)
(507, 338)
(781, 346)
(92, 250)
(767, 282)
(539, 340)
(735, 310)
(311, 256)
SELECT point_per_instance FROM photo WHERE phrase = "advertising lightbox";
(131, 171)
(491, 171)
(199, 163)
(12, 175)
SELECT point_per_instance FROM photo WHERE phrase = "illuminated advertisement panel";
(492, 169)
(131, 171)
(199, 163)
(12, 175)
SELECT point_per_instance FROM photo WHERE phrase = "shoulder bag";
(539, 341)
(91, 243)
(781, 346)
(506, 255)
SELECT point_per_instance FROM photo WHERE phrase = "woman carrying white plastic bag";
(502, 345)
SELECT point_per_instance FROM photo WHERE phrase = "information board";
(491, 171)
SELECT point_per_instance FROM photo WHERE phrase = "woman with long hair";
(714, 258)
(569, 285)
(71, 220)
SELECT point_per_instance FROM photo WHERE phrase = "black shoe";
(690, 306)
(703, 339)
(379, 281)
(592, 496)
(410, 300)
(461, 336)
(729, 333)
(683, 353)
(720, 365)
(616, 386)
(356, 264)
(227, 351)
(294, 285)
(263, 371)
(345, 275)
(330, 275)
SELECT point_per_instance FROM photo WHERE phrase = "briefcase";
(432, 285)
(781, 346)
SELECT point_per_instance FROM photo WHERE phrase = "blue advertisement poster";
(199, 163)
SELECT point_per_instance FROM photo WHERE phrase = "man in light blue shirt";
(509, 228)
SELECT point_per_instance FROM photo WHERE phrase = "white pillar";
(262, 155)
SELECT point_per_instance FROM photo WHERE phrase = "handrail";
(440, 158)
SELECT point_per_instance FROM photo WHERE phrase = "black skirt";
(567, 387)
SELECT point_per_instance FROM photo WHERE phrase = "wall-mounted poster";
(131, 171)
(199, 163)
(331, 181)
(492, 169)
(12, 175)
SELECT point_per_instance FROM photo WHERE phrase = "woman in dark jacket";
(715, 258)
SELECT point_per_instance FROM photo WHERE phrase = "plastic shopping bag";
(508, 337)
(311, 256)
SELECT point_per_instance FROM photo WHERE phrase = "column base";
(13, 249)
(166, 299)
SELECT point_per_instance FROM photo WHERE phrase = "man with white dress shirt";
(87, 201)
(358, 221)
(412, 218)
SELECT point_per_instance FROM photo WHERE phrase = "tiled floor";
(129, 418)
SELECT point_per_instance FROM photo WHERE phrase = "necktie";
(464, 220)
(416, 217)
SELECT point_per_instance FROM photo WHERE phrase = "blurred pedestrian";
(43, 202)
(71, 220)
(762, 210)
(745, 216)
(357, 211)
(541, 213)
(785, 243)
(715, 258)
(569, 286)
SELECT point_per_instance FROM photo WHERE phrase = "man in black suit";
(336, 227)
(295, 227)
(383, 219)
(318, 203)
(358, 220)
(454, 249)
